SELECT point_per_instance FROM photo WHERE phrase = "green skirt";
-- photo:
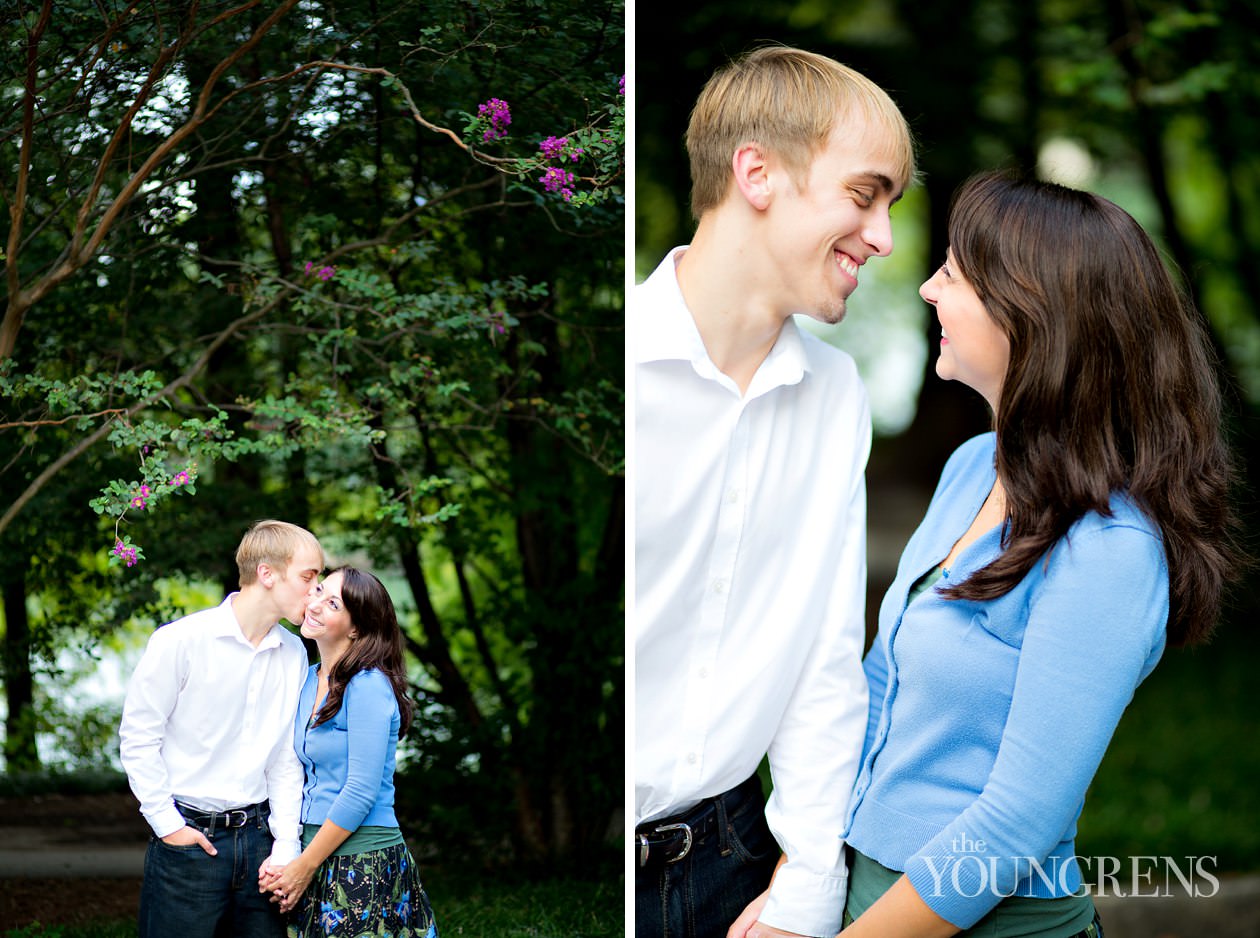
(365, 895)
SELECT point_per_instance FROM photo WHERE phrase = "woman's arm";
(1092, 631)
(900, 913)
(291, 881)
(368, 705)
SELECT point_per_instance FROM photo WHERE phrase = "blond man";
(751, 440)
(207, 744)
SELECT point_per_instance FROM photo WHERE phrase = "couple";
(269, 785)
(1059, 555)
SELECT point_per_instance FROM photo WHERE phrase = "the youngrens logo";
(970, 871)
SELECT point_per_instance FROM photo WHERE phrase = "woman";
(353, 708)
(1059, 555)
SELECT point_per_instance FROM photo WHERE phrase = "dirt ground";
(66, 902)
(64, 822)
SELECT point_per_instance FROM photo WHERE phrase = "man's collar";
(664, 330)
(226, 625)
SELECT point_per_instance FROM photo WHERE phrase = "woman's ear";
(750, 165)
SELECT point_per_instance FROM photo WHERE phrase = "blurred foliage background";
(306, 260)
(1150, 103)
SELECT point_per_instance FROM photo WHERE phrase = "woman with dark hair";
(352, 711)
(1059, 555)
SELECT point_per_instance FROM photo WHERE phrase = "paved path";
(52, 836)
(1232, 912)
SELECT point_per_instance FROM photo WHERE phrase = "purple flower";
(123, 552)
(558, 180)
(497, 112)
(621, 85)
(552, 147)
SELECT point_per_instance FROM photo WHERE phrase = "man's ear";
(266, 575)
(752, 175)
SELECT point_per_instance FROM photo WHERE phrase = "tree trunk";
(20, 752)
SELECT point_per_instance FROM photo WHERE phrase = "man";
(207, 743)
(751, 439)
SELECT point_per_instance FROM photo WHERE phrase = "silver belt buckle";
(686, 839)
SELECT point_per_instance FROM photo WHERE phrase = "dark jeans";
(189, 894)
(728, 866)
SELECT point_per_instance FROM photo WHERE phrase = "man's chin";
(830, 315)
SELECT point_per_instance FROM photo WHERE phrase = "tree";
(358, 262)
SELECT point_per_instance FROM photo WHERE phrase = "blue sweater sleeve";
(369, 705)
(1095, 629)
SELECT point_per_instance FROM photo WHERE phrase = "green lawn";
(1179, 779)
(480, 905)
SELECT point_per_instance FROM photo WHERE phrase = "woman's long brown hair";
(1111, 387)
(378, 644)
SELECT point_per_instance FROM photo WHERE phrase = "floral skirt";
(365, 894)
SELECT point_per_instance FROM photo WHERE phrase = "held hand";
(188, 835)
(760, 930)
(748, 918)
(289, 883)
(268, 875)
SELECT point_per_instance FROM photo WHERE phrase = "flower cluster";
(621, 86)
(140, 499)
(497, 113)
(323, 273)
(497, 322)
(129, 554)
(559, 180)
(181, 478)
(557, 148)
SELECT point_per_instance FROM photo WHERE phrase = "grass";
(1179, 777)
(468, 904)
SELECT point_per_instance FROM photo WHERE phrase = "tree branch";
(102, 431)
(15, 312)
(79, 253)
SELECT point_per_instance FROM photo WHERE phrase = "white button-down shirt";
(208, 720)
(750, 574)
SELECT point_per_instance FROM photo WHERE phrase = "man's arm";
(284, 789)
(815, 754)
(151, 697)
(150, 700)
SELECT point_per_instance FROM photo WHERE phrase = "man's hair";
(273, 543)
(787, 100)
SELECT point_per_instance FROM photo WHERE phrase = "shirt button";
(732, 497)
(704, 672)
(719, 587)
(691, 758)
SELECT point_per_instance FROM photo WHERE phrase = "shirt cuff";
(806, 903)
(284, 852)
(166, 821)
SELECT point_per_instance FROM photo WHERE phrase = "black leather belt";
(231, 818)
(670, 839)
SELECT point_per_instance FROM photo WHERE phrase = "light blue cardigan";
(988, 719)
(349, 760)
